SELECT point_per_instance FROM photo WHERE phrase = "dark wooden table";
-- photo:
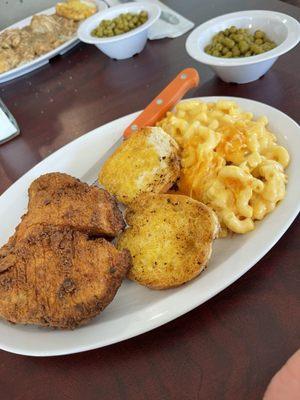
(226, 349)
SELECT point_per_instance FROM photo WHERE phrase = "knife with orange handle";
(165, 101)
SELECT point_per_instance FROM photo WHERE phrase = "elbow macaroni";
(230, 161)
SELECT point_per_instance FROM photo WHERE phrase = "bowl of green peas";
(121, 31)
(242, 46)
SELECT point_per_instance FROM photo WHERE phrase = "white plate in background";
(44, 58)
(136, 309)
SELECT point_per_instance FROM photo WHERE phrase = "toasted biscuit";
(146, 162)
(169, 237)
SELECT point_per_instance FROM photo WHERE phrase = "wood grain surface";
(226, 349)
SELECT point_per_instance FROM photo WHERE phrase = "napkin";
(8, 128)
(161, 28)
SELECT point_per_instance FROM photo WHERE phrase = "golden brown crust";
(58, 277)
(61, 200)
(169, 237)
(53, 271)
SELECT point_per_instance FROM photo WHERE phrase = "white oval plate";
(137, 309)
(43, 59)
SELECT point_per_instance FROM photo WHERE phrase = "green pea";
(236, 51)
(225, 50)
(243, 46)
(259, 34)
(227, 42)
(266, 47)
(216, 53)
(258, 41)
(239, 37)
(256, 49)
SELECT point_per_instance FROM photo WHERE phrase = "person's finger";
(285, 385)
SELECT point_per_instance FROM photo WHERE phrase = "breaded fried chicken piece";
(58, 277)
(61, 200)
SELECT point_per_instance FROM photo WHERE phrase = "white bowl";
(281, 28)
(125, 45)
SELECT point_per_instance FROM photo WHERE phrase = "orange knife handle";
(165, 101)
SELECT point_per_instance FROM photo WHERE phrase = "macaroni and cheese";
(230, 161)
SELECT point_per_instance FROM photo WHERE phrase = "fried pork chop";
(55, 271)
(58, 277)
(61, 200)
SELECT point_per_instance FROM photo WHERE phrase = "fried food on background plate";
(169, 237)
(44, 33)
(76, 10)
(58, 277)
(146, 162)
(61, 200)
